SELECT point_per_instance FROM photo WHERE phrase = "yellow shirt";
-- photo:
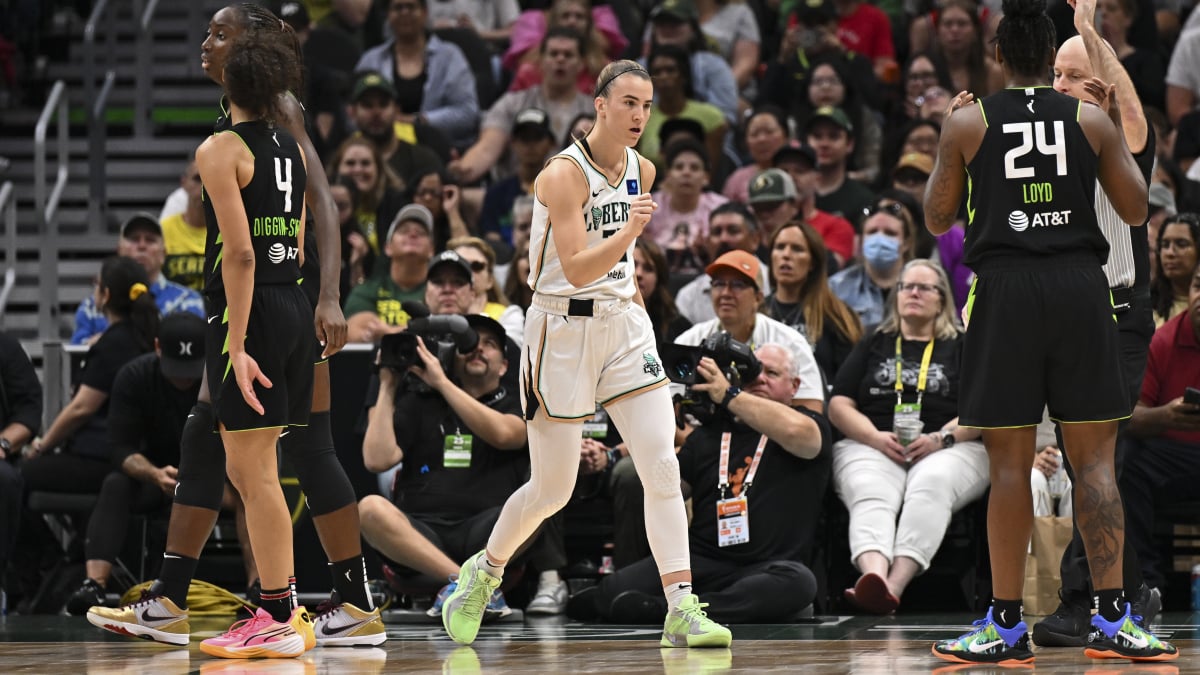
(185, 252)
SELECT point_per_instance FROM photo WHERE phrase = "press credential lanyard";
(733, 514)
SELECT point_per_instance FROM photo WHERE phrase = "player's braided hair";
(1026, 37)
(260, 24)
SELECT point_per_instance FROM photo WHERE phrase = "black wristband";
(730, 394)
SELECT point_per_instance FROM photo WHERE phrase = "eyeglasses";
(735, 285)
(429, 192)
(477, 265)
(922, 75)
(914, 287)
(450, 281)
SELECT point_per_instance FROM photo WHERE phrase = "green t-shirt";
(381, 295)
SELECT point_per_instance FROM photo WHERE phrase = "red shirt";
(1172, 366)
(867, 31)
(837, 233)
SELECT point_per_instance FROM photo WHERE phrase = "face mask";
(880, 251)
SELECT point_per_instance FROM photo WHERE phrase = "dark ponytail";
(262, 25)
(1026, 37)
(130, 298)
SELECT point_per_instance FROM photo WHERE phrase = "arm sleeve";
(21, 386)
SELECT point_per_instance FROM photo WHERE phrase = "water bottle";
(1196, 588)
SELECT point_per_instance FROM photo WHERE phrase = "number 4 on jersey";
(283, 180)
(1031, 133)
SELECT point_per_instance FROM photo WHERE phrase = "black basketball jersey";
(274, 201)
(1032, 183)
(311, 270)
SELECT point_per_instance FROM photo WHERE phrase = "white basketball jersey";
(605, 212)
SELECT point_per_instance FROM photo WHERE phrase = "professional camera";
(735, 359)
(443, 335)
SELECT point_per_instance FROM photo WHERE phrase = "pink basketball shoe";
(263, 637)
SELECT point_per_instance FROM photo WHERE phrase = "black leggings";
(763, 592)
(120, 496)
(64, 472)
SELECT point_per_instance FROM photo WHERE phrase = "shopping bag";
(1051, 534)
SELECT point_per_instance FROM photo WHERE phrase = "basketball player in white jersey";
(588, 340)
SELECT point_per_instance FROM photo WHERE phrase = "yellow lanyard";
(922, 375)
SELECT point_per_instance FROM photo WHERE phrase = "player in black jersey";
(1041, 331)
(349, 619)
(259, 363)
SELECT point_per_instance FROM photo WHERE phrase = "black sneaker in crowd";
(1147, 604)
(1068, 626)
(90, 594)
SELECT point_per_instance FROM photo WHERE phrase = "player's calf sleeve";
(322, 477)
(201, 480)
(652, 448)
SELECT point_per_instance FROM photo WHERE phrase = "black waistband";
(579, 307)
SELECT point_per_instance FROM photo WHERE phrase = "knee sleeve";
(651, 445)
(201, 461)
(322, 477)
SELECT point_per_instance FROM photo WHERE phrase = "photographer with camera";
(757, 451)
(460, 436)
(736, 297)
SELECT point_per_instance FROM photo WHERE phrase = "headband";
(631, 69)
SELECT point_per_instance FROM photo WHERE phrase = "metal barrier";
(46, 204)
(8, 213)
(97, 157)
(144, 76)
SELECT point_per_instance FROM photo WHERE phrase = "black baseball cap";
(452, 259)
(478, 321)
(181, 345)
(140, 221)
(532, 123)
(794, 150)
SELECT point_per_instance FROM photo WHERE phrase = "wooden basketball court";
(892, 645)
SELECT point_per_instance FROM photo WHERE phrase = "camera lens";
(683, 370)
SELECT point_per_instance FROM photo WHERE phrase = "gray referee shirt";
(1120, 269)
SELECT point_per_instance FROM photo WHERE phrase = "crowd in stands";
(793, 139)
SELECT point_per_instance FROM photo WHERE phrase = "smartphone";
(1191, 395)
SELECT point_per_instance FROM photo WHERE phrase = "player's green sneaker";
(462, 612)
(688, 626)
(1125, 638)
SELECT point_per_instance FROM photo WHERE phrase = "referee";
(1128, 273)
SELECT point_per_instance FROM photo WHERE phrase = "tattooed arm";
(962, 132)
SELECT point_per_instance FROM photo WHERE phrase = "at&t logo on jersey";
(1019, 221)
(278, 253)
